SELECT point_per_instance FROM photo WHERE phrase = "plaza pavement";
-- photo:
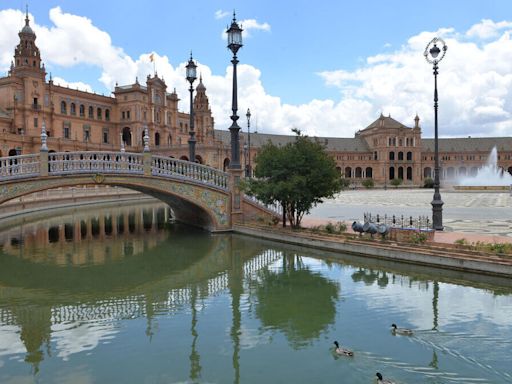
(475, 216)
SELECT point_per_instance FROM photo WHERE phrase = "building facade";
(77, 120)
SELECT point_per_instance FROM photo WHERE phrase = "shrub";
(368, 183)
(461, 241)
(396, 182)
(345, 183)
(419, 238)
(428, 183)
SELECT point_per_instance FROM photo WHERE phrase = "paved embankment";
(431, 254)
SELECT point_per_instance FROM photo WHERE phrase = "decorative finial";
(26, 14)
(146, 139)
(136, 80)
(44, 136)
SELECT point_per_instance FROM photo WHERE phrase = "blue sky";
(326, 67)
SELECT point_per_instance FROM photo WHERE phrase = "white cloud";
(73, 85)
(249, 25)
(475, 79)
(487, 29)
(220, 14)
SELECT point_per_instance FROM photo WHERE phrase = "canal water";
(115, 294)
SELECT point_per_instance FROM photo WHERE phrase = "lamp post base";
(437, 214)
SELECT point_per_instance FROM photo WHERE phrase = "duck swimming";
(400, 331)
(342, 351)
(380, 380)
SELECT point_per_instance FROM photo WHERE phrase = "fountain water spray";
(488, 175)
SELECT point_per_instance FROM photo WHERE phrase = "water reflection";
(287, 293)
(166, 303)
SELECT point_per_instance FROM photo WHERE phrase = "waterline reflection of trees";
(295, 300)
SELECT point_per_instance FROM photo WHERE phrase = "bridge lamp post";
(191, 77)
(234, 44)
(433, 54)
(248, 170)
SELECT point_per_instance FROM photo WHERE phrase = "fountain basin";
(482, 187)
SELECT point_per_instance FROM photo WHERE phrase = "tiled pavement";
(475, 216)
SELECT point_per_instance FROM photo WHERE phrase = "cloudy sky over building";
(328, 68)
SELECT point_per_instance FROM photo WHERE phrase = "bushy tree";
(297, 175)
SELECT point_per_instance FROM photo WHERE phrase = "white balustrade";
(62, 163)
(174, 168)
(65, 163)
(275, 208)
(20, 166)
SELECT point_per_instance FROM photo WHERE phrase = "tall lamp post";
(248, 170)
(191, 77)
(234, 44)
(433, 54)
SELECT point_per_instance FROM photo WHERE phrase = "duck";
(342, 351)
(381, 380)
(400, 331)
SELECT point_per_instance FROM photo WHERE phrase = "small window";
(66, 130)
(36, 122)
(107, 114)
(98, 113)
(128, 115)
(72, 109)
(63, 107)
(82, 110)
(122, 115)
(91, 113)
(105, 135)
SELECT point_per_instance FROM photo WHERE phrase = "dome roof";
(26, 28)
(200, 86)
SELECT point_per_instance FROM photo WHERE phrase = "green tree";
(297, 175)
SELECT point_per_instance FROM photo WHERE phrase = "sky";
(327, 67)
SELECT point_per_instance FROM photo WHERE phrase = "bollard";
(357, 227)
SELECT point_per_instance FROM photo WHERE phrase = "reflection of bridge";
(198, 194)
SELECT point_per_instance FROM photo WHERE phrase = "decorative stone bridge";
(198, 194)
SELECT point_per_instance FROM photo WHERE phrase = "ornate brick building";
(77, 120)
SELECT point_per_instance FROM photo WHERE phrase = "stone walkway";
(475, 216)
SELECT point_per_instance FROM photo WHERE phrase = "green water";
(116, 295)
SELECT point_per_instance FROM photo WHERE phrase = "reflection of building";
(110, 234)
(77, 120)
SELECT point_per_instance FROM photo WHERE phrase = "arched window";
(127, 136)
(391, 173)
(359, 172)
(409, 155)
(427, 172)
(98, 113)
(63, 107)
(157, 139)
(391, 155)
(369, 172)
(450, 173)
(107, 114)
(348, 172)
(409, 173)
(338, 169)
(401, 173)
(82, 110)
(91, 113)
(72, 109)
(226, 164)
(462, 171)
(400, 155)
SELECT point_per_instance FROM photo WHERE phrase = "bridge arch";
(192, 204)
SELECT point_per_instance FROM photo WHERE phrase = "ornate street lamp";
(234, 44)
(433, 54)
(191, 77)
(248, 170)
